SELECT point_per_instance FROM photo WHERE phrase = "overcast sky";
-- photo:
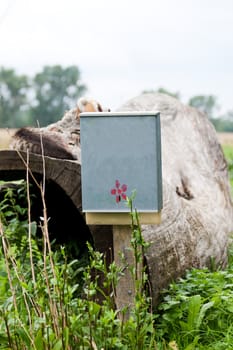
(123, 47)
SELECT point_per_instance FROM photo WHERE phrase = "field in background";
(5, 136)
(225, 138)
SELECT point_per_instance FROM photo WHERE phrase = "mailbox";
(120, 154)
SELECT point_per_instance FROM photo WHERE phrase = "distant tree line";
(45, 97)
(207, 104)
(42, 98)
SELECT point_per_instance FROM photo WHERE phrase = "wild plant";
(197, 310)
(40, 307)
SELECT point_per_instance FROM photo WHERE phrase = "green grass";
(197, 311)
(228, 152)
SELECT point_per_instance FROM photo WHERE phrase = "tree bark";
(65, 173)
(62, 176)
(197, 215)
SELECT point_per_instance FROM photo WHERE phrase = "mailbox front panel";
(121, 153)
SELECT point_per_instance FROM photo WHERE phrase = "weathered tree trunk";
(197, 215)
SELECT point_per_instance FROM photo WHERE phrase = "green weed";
(39, 304)
(197, 311)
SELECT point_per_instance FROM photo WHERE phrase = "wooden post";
(124, 254)
(124, 258)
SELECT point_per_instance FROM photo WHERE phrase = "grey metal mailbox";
(121, 153)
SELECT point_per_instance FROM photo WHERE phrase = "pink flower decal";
(119, 191)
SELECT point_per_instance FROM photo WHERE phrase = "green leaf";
(24, 336)
(193, 311)
(202, 313)
(66, 337)
(230, 308)
(58, 345)
(193, 346)
(39, 342)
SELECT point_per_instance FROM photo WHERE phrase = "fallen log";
(197, 215)
(60, 171)
(62, 196)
